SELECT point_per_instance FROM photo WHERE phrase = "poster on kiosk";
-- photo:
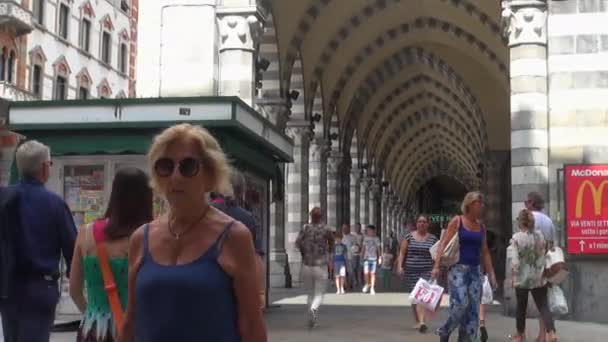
(586, 209)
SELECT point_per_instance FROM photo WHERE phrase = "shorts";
(369, 266)
(339, 268)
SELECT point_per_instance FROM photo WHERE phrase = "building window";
(85, 34)
(83, 93)
(562, 7)
(106, 48)
(61, 88)
(561, 45)
(11, 67)
(38, 10)
(124, 6)
(64, 20)
(588, 6)
(123, 58)
(3, 59)
(37, 74)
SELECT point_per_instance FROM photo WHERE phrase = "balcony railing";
(12, 93)
(14, 16)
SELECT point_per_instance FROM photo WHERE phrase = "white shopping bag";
(556, 270)
(427, 294)
(557, 301)
(488, 296)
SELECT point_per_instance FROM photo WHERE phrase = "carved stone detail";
(524, 22)
(277, 112)
(334, 162)
(240, 32)
(299, 134)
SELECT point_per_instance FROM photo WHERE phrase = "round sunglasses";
(188, 167)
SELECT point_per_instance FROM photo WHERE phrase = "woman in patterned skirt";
(415, 262)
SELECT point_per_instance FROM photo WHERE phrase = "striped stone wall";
(578, 126)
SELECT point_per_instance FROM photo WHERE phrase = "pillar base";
(276, 269)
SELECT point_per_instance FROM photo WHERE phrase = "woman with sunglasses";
(465, 277)
(415, 251)
(192, 274)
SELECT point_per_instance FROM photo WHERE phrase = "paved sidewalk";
(384, 317)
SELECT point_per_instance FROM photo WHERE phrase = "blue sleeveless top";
(470, 246)
(192, 302)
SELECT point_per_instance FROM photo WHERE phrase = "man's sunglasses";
(188, 167)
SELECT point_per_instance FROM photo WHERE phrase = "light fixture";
(262, 64)
(334, 136)
(293, 95)
(316, 117)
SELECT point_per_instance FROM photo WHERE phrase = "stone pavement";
(383, 317)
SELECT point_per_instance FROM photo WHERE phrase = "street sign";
(586, 209)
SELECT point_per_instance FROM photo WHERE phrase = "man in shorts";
(372, 251)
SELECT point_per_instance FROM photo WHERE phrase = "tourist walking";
(192, 274)
(44, 231)
(464, 278)
(130, 206)
(315, 242)
(356, 264)
(389, 251)
(542, 223)
(372, 252)
(353, 259)
(415, 262)
(228, 203)
(339, 263)
(528, 262)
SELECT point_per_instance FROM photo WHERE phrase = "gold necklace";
(177, 236)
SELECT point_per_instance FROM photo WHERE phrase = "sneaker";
(338, 292)
(342, 291)
(312, 318)
(365, 288)
(372, 291)
(483, 334)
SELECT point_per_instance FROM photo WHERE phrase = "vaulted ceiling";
(423, 85)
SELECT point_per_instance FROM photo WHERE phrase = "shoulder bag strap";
(108, 276)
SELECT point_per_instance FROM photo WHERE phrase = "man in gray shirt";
(353, 263)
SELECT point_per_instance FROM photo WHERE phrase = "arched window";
(123, 52)
(37, 66)
(106, 39)
(3, 60)
(10, 70)
(86, 19)
(84, 84)
(104, 90)
(62, 78)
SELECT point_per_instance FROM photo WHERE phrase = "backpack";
(9, 223)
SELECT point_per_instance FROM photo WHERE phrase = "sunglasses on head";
(188, 167)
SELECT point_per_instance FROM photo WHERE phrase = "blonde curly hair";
(214, 161)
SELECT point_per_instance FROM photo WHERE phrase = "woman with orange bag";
(100, 257)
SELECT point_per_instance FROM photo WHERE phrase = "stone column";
(277, 255)
(240, 32)
(385, 211)
(364, 205)
(526, 27)
(278, 113)
(374, 201)
(333, 188)
(297, 193)
(355, 195)
(317, 149)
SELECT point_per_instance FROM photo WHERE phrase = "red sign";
(586, 208)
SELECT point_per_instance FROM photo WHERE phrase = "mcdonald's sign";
(586, 205)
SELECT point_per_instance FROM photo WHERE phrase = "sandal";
(423, 328)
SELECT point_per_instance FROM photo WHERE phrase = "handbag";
(427, 294)
(557, 301)
(108, 277)
(451, 252)
(556, 270)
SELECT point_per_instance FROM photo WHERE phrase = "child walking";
(339, 263)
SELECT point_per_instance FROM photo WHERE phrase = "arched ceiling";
(415, 81)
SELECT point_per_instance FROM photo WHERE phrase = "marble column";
(297, 192)
(241, 29)
(525, 24)
(355, 195)
(364, 206)
(525, 27)
(385, 212)
(374, 201)
(317, 149)
(334, 162)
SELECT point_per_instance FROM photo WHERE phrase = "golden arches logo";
(596, 195)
